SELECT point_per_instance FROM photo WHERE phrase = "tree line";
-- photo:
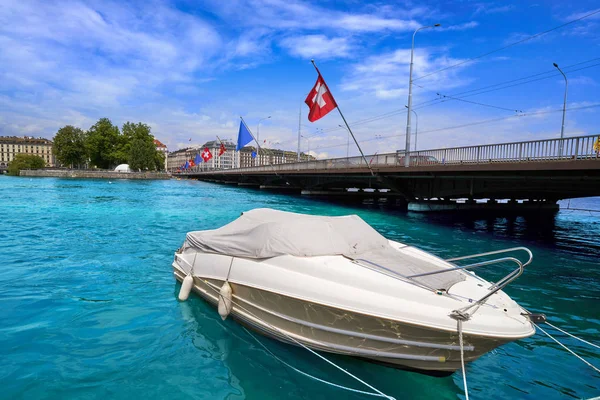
(25, 161)
(105, 146)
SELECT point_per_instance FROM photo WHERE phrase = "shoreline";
(92, 174)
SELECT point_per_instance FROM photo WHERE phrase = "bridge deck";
(545, 169)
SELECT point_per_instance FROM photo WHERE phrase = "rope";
(193, 263)
(378, 392)
(228, 272)
(462, 358)
(566, 348)
(573, 336)
(309, 375)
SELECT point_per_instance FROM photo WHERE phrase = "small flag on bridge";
(222, 149)
(198, 159)
(206, 154)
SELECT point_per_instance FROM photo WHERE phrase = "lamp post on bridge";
(412, 51)
(308, 147)
(347, 144)
(258, 132)
(562, 128)
(318, 131)
(416, 126)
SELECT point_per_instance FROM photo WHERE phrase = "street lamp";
(347, 144)
(258, 134)
(308, 147)
(562, 128)
(407, 150)
(258, 127)
(416, 126)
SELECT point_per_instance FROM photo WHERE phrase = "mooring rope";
(309, 375)
(462, 358)
(566, 348)
(573, 336)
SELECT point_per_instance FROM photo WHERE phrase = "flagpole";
(299, 130)
(347, 126)
(251, 134)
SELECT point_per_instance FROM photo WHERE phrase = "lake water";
(88, 305)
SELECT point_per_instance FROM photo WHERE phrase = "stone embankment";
(93, 174)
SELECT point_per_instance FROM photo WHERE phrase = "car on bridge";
(419, 160)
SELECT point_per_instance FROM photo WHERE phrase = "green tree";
(139, 143)
(103, 141)
(124, 148)
(25, 161)
(69, 146)
(159, 161)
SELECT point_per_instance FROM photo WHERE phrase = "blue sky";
(190, 68)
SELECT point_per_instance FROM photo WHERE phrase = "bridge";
(531, 174)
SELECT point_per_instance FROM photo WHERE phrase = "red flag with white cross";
(222, 149)
(319, 100)
(206, 154)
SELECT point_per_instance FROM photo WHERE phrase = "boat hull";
(335, 330)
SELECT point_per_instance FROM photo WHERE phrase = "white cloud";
(586, 27)
(582, 80)
(460, 27)
(370, 23)
(99, 55)
(295, 14)
(171, 69)
(386, 76)
(583, 14)
(489, 9)
(313, 46)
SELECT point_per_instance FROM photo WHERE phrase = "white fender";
(186, 287)
(225, 300)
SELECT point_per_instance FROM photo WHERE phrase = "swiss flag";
(222, 149)
(319, 100)
(206, 154)
(192, 163)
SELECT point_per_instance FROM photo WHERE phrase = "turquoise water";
(88, 305)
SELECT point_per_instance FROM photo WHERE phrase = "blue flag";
(198, 159)
(186, 166)
(253, 154)
(244, 136)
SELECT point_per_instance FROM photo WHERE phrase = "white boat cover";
(265, 233)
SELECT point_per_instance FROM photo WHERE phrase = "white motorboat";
(335, 284)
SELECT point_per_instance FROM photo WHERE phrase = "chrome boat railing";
(495, 286)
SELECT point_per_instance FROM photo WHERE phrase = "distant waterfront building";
(232, 158)
(10, 146)
(270, 157)
(163, 149)
(228, 160)
(177, 158)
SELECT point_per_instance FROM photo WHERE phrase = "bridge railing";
(581, 147)
(571, 148)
